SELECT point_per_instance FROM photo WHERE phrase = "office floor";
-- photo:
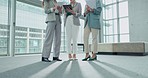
(107, 66)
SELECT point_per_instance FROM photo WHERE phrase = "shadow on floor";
(75, 71)
(126, 72)
(25, 71)
(102, 71)
(59, 71)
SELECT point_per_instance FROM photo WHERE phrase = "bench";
(124, 47)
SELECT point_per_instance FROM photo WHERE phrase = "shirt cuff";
(76, 14)
(51, 9)
(56, 11)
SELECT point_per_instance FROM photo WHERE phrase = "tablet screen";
(67, 6)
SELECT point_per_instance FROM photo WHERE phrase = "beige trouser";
(95, 38)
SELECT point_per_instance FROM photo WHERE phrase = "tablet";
(67, 6)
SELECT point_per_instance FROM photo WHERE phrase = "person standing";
(92, 25)
(72, 23)
(53, 30)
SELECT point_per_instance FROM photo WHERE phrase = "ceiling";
(32, 2)
(37, 3)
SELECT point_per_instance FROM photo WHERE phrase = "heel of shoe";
(92, 59)
(85, 59)
(45, 59)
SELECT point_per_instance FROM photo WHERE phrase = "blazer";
(93, 18)
(48, 9)
(78, 9)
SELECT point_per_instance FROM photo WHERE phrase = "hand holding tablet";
(67, 7)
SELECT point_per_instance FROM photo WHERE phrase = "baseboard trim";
(122, 53)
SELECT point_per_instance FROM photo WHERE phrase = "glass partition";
(4, 27)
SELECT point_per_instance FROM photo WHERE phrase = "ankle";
(69, 56)
(93, 55)
(87, 55)
(74, 55)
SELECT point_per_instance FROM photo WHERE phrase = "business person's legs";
(94, 41)
(69, 24)
(57, 41)
(48, 40)
(75, 31)
(86, 42)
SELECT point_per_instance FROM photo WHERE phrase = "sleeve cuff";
(76, 14)
(51, 9)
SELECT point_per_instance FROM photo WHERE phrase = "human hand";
(88, 9)
(59, 8)
(71, 11)
(54, 8)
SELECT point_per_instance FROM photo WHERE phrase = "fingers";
(54, 8)
(68, 9)
(59, 7)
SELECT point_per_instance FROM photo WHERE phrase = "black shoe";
(56, 59)
(45, 59)
(85, 59)
(92, 59)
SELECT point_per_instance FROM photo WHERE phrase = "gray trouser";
(53, 31)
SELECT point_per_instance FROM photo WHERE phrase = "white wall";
(138, 20)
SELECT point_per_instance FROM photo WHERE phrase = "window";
(35, 46)
(109, 1)
(4, 27)
(124, 25)
(30, 26)
(124, 38)
(30, 22)
(123, 9)
(110, 27)
(20, 45)
(110, 12)
(115, 21)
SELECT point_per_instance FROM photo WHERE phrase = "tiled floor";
(107, 66)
